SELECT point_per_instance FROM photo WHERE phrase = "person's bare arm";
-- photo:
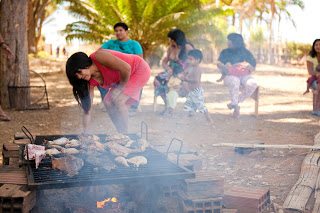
(114, 63)
(165, 61)
(87, 115)
(310, 68)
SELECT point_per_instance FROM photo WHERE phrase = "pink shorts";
(136, 82)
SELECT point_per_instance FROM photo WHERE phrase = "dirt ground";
(284, 118)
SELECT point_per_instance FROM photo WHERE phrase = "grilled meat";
(70, 164)
(118, 150)
(73, 143)
(137, 161)
(60, 141)
(70, 151)
(52, 151)
(121, 161)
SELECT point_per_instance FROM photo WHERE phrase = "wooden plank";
(300, 193)
(276, 146)
(13, 176)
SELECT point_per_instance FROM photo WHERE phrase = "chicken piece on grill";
(117, 136)
(121, 161)
(73, 143)
(137, 161)
(101, 161)
(118, 150)
(70, 151)
(60, 141)
(59, 148)
(52, 151)
(70, 164)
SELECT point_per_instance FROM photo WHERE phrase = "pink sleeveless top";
(139, 76)
(110, 76)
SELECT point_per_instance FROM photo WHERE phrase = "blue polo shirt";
(130, 46)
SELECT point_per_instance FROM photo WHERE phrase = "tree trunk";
(14, 71)
(32, 47)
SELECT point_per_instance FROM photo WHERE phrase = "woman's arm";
(114, 63)
(87, 115)
(310, 68)
(165, 61)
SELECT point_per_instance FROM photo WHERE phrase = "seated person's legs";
(249, 85)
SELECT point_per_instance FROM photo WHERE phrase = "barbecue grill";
(158, 167)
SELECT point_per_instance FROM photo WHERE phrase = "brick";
(10, 154)
(230, 211)
(19, 135)
(21, 141)
(204, 187)
(247, 200)
(209, 205)
(16, 198)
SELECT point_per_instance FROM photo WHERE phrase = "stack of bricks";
(10, 154)
(16, 198)
(172, 189)
(203, 194)
(247, 200)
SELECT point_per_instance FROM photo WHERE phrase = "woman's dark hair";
(179, 37)
(121, 24)
(313, 52)
(195, 53)
(78, 61)
(237, 40)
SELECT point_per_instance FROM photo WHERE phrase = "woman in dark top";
(236, 63)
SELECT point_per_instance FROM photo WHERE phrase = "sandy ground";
(284, 118)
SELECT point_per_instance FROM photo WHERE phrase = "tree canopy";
(149, 20)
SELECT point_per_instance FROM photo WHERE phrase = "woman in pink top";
(123, 74)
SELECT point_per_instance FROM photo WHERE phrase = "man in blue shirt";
(125, 45)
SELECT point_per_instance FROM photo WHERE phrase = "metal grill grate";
(158, 167)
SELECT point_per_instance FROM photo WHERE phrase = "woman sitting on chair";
(236, 63)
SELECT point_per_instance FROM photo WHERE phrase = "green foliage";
(257, 38)
(297, 50)
(149, 20)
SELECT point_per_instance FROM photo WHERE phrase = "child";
(313, 81)
(191, 82)
(239, 69)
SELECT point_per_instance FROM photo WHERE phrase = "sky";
(305, 31)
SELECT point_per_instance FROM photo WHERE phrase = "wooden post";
(255, 97)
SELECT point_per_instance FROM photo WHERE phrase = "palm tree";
(149, 20)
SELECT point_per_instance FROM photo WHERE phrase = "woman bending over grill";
(123, 75)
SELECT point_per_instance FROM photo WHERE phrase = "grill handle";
(27, 133)
(144, 130)
(180, 148)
